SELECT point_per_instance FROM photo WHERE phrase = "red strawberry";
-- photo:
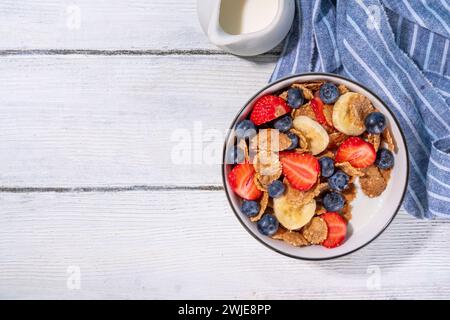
(317, 107)
(356, 151)
(301, 169)
(337, 229)
(268, 108)
(241, 181)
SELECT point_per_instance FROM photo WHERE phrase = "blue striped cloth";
(400, 50)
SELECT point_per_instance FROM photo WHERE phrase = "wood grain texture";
(105, 25)
(87, 110)
(71, 121)
(152, 27)
(175, 244)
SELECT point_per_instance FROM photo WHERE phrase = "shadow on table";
(379, 253)
(268, 57)
(262, 59)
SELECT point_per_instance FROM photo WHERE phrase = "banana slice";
(292, 216)
(349, 113)
(316, 135)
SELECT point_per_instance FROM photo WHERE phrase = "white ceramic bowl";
(370, 217)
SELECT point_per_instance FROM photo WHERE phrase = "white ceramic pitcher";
(264, 36)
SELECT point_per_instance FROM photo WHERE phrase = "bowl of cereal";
(315, 166)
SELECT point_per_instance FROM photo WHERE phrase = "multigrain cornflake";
(386, 174)
(262, 182)
(262, 205)
(284, 95)
(269, 140)
(303, 145)
(315, 232)
(388, 139)
(267, 164)
(320, 210)
(314, 85)
(336, 139)
(363, 106)
(300, 198)
(343, 89)
(268, 169)
(328, 113)
(305, 110)
(375, 140)
(349, 193)
(373, 183)
(349, 169)
(359, 107)
(327, 153)
(298, 167)
(294, 238)
(347, 212)
(307, 92)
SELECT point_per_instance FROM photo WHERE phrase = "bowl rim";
(238, 216)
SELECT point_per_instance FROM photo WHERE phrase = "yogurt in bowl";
(315, 166)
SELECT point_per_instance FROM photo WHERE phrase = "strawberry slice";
(241, 181)
(301, 169)
(337, 229)
(268, 108)
(356, 151)
(317, 107)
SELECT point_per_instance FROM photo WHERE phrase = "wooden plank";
(102, 25)
(70, 121)
(112, 24)
(177, 244)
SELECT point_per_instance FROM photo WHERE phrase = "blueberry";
(294, 140)
(245, 129)
(283, 124)
(326, 166)
(250, 208)
(276, 189)
(375, 122)
(328, 93)
(295, 98)
(385, 159)
(235, 155)
(268, 225)
(338, 181)
(333, 201)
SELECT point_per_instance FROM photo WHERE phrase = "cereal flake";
(304, 110)
(300, 198)
(349, 169)
(307, 92)
(347, 212)
(373, 182)
(374, 139)
(294, 238)
(269, 140)
(336, 139)
(263, 206)
(388, 139)
(316, 231)
(302, 141)
(343, 89)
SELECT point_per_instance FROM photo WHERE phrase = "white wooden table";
(91, 205)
